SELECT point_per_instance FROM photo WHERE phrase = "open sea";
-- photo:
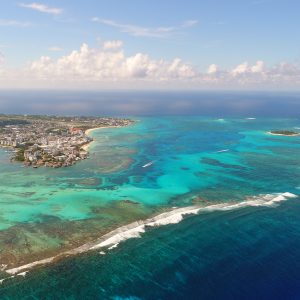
(244, 242)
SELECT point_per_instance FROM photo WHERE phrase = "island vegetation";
(284, 132)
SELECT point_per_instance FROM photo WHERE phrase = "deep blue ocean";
(249, 252)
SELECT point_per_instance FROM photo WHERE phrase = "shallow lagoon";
(46, 211)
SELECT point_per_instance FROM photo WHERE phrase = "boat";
(225, 150)
(148, 164)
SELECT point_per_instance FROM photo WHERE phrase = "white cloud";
(112, 45)
(258, 75)
(55, 49)
(245, 68)
(240, 69)
(109, 67)
(258, 67)
(14, 23)
(212, 69)
(42, 8)
(157, 32)
(97, 64)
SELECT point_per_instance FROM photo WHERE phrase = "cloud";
(14, 23)
(109, 67)
(139, 31)
(108, 64)
(245, 68)
(55, 49)
(212, 69)
(112, 45)
(254, 76)
(43, 8)
(258, 67)
(240, 69)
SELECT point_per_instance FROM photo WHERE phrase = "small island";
(283, 132)
(51, 141)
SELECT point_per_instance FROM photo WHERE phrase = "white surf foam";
(113, 246)
(22, 274)
(135, 229)
(4, 279)
(224, 150)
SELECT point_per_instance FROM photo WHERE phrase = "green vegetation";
(20, 154)
(284, 132)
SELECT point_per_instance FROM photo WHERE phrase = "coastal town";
(51, 141)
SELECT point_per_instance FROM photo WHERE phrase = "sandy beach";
(89, 131)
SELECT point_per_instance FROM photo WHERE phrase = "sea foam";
(174, 216)
(134, 230)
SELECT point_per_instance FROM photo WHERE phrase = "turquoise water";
(193, 160)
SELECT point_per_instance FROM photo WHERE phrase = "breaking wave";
(135, 229)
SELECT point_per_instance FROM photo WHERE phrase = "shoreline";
(90, 130)
(110, 237)
(134, 229)
(51, 141)
(281, 134)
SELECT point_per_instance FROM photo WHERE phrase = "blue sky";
(200, 33)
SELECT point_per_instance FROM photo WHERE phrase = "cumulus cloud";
(212, 69)
(112, 45)
(240, 69)
(100, 64)
(253, 76)
(245, 68)
(109, 66)
(258, 67)
(140, 31)
(42, 8)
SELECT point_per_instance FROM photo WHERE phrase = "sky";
(139, 44)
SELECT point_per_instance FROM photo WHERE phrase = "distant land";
(283, 132)
(51, 141)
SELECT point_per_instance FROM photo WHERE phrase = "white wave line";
(224, 150)
(134, 230)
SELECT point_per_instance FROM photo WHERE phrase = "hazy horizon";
(148, 103)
